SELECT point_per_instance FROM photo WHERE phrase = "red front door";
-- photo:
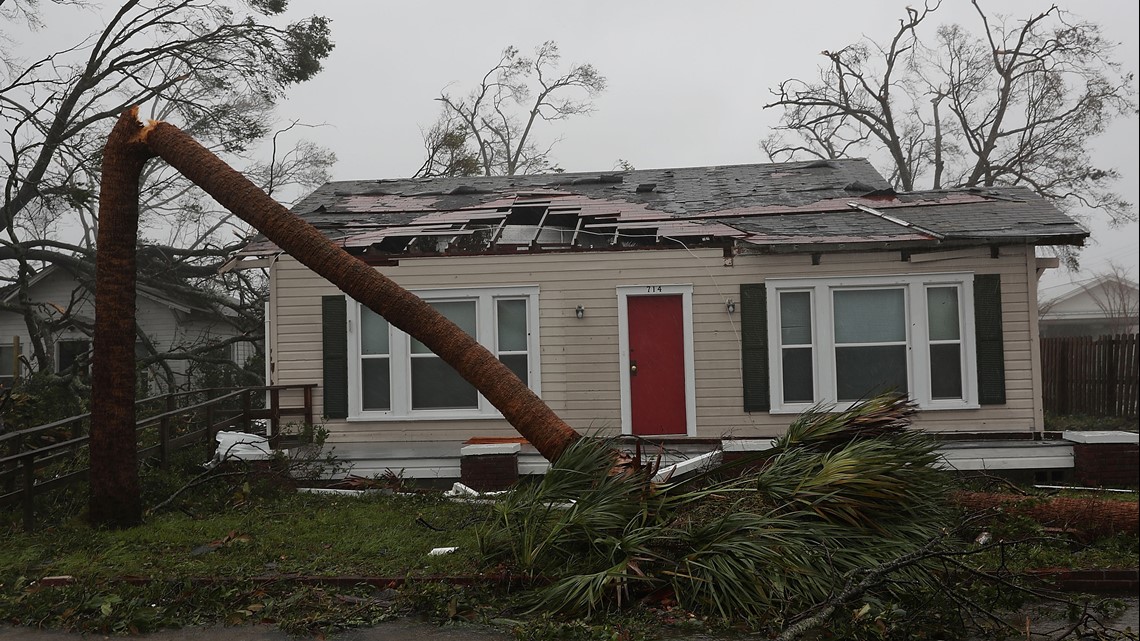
(656, 364)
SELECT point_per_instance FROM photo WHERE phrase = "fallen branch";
(1090, 517)
(854, 589)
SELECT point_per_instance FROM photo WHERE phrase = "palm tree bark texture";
(113, 411)
(114, 482)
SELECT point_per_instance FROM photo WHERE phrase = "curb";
(1118, 581)
(300, 579)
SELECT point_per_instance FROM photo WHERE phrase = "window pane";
(862, 372)
(517, 364)
(373, 332)
(511, 317)
(942, 313)
(798, 387)
(795, 318)
(946, 370)
(869, 316)
(435, 385)
(460, 312)
(7, 360)
(72, 351)
(375, 384)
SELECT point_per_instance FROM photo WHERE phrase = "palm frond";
(840, 492)
(879, 416)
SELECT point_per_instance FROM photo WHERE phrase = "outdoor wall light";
(730, 306)
(579, 311)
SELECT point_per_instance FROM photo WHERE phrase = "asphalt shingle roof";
(787, 206)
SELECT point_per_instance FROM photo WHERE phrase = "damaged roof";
(836, 205)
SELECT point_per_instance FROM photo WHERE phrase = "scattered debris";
(677, 470)
(241, 447)
(461, 491)
(335, 491)
(226, 541)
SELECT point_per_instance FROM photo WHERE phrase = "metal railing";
(44, 458)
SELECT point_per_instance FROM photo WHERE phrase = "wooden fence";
(41, 459)
(1093, 376)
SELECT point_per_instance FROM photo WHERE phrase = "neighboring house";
(697, 302)
(66, 306)
(1106, 304)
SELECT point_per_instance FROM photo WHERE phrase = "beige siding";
(580, 370)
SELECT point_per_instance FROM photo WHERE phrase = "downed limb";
(1090, 517)
(114, 478)
(406, 311)
(855, 587)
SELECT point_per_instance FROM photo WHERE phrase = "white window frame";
(399, 354)
(813, 346)
(918, 337)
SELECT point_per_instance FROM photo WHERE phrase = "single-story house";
(693, 303)
(1105, 304)
(64, 304)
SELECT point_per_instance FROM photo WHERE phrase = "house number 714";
(654, 288)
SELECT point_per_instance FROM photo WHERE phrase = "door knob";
(633, 368)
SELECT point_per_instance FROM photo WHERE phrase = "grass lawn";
(289, 534)
(297, 534)
(245, 535)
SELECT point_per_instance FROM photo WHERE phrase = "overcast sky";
(687, 80)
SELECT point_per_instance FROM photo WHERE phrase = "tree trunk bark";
(115, 499)
(519, 405)
(1091, 517)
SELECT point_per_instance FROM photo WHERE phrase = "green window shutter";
(334, 346)
(990, 348)
(754, 347)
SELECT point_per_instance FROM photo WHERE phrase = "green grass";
(1028, 546)
(247, 527)
(280, 535)
(297, 534)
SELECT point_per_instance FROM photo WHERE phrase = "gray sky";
(687, 80)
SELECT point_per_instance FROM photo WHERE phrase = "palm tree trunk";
(115, 499)
(1092, 518)
(519, 405)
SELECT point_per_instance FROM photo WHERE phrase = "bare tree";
(1010, 103)
(1118, 298)
(218, 66)
(493, 125)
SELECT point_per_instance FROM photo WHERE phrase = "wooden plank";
(1093, 376)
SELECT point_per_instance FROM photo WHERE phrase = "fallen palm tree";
(839, 493)
(1086, 517)
(114, 476)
